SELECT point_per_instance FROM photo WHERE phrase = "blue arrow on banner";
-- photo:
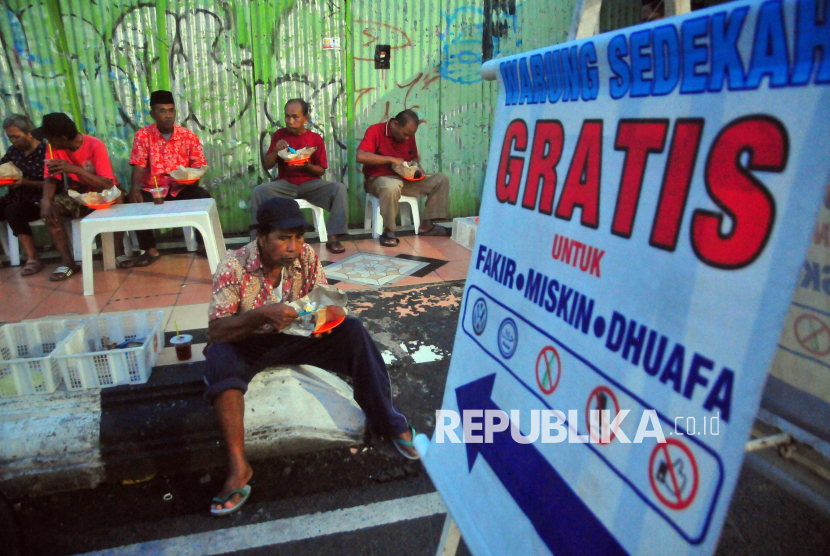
(560, 517)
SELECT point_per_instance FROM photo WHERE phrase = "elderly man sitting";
(251, 287)
(388, 145)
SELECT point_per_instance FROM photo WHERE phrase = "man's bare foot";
(408, 449)
(234, 481)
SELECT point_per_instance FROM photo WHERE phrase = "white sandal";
(61, 273)
(124, 261)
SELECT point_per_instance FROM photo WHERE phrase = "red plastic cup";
(183, 344)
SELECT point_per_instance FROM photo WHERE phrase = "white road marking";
(286, 530)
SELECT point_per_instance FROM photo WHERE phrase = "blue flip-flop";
(398, 442)
(245, 492)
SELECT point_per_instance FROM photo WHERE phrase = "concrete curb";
(77, 440)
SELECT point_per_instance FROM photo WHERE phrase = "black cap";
(161, 97)
(281, 213)
(56, 124)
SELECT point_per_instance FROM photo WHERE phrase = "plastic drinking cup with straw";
(51, 156)
(183, 344)
(158, 193)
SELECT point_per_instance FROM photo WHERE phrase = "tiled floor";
(182, 283)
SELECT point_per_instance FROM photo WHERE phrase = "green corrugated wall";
(232, 65)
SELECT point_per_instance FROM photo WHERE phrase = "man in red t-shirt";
(304, 181)
(391, 144)
(79, 162)
(158, 149)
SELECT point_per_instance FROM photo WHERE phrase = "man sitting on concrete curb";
(250, 289)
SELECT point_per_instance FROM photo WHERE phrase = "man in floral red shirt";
(251, 289)
(158, 149)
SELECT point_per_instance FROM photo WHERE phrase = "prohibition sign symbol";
(813, 334)
(508, 338)
(479, 316)
(673, 474)
(599, 398)
(547, 374)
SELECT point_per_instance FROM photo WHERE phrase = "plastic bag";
(327, 308)
(409, 170)
(95, 198)
(186, 174)
(9, 171)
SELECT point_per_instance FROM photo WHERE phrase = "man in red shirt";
(304, 181)
(158, 149)
(79, 162)
(391, 144)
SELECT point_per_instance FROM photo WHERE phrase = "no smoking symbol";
(548, 369)
(813, 334)
(601, 399)
(673, 474)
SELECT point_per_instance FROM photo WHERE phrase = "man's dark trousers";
(347, 349)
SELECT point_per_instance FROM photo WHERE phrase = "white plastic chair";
(319, 220)
(372, 219)
(73, 232)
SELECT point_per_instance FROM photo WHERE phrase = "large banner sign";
(798, 387)
(649, 200)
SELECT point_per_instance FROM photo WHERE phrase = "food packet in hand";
(182, 173)
(95, 198)
(10, 171)
(408, 170)
(326, 304)
(305, 152)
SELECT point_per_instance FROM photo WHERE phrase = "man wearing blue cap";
(251, 289)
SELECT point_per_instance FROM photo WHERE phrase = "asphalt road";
(303, 498)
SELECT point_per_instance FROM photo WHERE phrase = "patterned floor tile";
(372, 270)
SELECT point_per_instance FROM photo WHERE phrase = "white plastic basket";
(464, 231)
(26, 362)
(85, 364)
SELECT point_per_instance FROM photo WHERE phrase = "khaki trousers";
(388, 189)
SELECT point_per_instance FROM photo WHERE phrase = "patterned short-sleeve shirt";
(240, 283)
(160, 156)
(31, 167)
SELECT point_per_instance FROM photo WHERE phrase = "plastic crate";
(27, 365)
(464, 231)
(85, 364)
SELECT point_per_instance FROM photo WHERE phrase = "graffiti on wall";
(472, 36)
(231, 67)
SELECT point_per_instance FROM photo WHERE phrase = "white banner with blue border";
(647, 207)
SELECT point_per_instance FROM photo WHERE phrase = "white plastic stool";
(319, 221)
(131, 240)
(198, 213)
(372, 219)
